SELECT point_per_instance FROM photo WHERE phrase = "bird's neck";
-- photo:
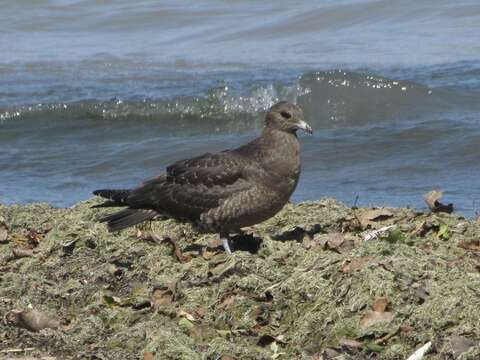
(280, 152)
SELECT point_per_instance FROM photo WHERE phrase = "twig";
(16, 350)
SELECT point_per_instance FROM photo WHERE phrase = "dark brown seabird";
(222, 192)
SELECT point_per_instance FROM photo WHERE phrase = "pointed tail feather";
(126, 218)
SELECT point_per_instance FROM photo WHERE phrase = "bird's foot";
(226, 245)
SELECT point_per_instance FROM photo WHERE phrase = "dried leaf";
(3, 231)
(432, 199)
(355, 264)
(471, 245)
(163, 297)
(380, 304)
(32, 320)
(377, 315)
(177, 252)
(370, 217)
(34, 237)
(226, 357)
(458, 345)
(201, 332)
(21, 253)
(207, 254)
(350, 343)
(334, 241)
(186, 315)
(147, 355)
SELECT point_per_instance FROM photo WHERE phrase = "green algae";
(303, 287)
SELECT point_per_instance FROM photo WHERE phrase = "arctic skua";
(224, 192)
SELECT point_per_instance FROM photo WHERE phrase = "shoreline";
(319, 279)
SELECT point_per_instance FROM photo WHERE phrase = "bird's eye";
(286, 115)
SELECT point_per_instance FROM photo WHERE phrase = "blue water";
(96, 94)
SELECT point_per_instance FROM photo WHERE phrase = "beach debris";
(377, 315)
(177, 252)
(355, 264)
(114, 270)
(420, 352)
(424, 227)
(432, 199)
(370, 217)
(163, 296)
(266, 339)
(21, 253)
(443, 232)
(31, 320)
(186, 315)
(147, 355)
(3, 231)
(459, 345)
(373, 234)
(335, 241)
(420, 291)
(350, 344)
(69, 246)
(470, 245)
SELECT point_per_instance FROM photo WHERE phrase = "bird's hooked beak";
(302, 125)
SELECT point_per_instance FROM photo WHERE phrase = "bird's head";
(287, 117)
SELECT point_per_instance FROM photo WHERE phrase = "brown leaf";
(163, 297)
(186, 315)
(201, 332)
(226, 301)
(201, 312)
(3, 231)
(31, 320)
(34, 237)
(226, 357)
(471, 245)
(355, 264)
(458, 345)
(334, 241)
(432, 199)
(18, 253)
(147, 355)
(380, 304)
(369, 217)
(207, 254)
(177, 252)
(350, 343)
(423, 228)
(377, 315)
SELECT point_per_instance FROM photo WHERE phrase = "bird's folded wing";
(193, 186)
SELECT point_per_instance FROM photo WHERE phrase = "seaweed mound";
(317, 281)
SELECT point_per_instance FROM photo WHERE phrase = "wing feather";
(193, 186)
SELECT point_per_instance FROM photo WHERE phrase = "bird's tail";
(115, 197)
(126, 218)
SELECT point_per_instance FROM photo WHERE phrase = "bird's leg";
(225, 238)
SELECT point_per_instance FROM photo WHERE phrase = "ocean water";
(98, 94)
